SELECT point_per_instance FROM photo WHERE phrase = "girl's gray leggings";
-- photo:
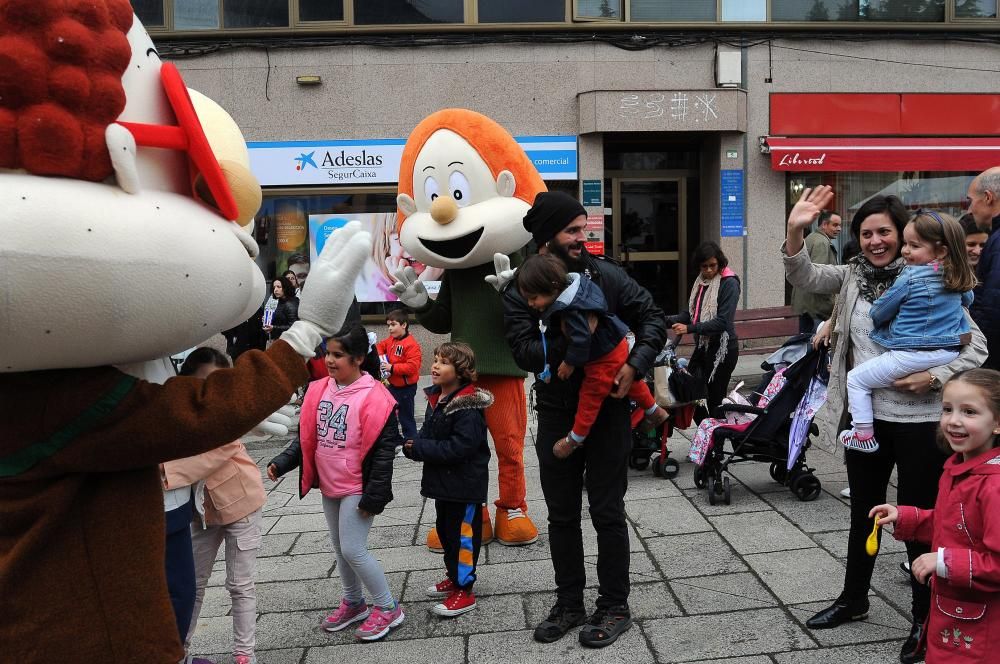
(357, 566)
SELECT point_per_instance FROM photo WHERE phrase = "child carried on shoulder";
(597, 342)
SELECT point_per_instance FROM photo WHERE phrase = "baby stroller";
(783, 413)
(646, 444)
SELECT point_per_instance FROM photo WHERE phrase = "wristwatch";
(935, 383)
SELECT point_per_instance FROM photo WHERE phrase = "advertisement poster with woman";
(387, 255)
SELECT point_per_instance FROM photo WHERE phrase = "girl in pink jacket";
(348, 437)
(963, 528)
(229, 496)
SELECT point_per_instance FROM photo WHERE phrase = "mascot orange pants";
(507, 421)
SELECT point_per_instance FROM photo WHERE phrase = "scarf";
(706, 307)
(873, 281)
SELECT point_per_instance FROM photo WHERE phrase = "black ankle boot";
(837, 614)
(914, 646)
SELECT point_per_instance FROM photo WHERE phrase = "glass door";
(649, 234)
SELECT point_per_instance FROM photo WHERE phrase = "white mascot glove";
(276, 424)
(504, 275)
(327, 297)
(409, 289)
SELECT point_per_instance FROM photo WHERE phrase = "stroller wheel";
(640, 462)
(727, 495)
(701, 477)
(806, 487)
(712, 485)
(779, 473)
(668, 468)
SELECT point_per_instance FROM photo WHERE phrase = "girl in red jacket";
(963, 528)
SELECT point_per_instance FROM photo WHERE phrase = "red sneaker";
(457, 603)
(442, 588)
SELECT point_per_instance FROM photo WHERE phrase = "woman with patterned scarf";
(906, 415)
(710, 318)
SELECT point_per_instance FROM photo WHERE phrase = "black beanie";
(552, 212)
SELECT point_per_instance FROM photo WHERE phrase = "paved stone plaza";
(713, 584)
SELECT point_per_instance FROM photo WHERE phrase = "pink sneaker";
(379, 623)
(345, 615)
(850, 439)
(244, 659)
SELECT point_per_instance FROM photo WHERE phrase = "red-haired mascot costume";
(464, 187)
(114, 254)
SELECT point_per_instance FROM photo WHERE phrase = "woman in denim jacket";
(919, 320)
(905, 416)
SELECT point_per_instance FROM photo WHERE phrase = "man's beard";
(562, 253)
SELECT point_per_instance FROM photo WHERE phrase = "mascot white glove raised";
(409, 289)
(327, 297)
(504, 275)
(276, 424)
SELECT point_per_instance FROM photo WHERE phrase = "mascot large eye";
(431, 190)
(458, 187)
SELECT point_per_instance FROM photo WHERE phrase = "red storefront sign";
(892, 132)
(884, 154)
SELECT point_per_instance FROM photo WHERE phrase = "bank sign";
(376, 161)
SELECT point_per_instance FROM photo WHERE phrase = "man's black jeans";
(602, 463)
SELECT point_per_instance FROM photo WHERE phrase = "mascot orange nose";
(444, 209)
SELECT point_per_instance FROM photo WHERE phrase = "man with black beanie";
(556, 221)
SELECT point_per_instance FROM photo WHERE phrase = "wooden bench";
(774, 324)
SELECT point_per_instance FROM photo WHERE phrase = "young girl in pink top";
(963, 529)
(348, 435)
(229, 495)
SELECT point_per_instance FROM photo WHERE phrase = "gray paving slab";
(757, 477)
(743, 500)
(757, 532)
(417, 651)
(721, 593)
(666, 516)
(866, 653)
(836, 543)
(804, 575)
(697, 554)
(311, 594)
(824, 513)
(693, 638)
(501, 648)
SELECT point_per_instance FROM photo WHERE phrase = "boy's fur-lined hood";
(469, 397)
(466, 397)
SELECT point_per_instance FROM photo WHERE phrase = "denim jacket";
(917, 313)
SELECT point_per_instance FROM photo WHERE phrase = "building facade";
(675, 121)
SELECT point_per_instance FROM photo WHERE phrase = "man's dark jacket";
(626, 299)
(985, 309)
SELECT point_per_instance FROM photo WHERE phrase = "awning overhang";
(883, 154)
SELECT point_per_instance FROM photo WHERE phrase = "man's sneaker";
(561, 620)
(379, 623)
(457, 603)
(851, 441)
(346, 614)
(442, 588)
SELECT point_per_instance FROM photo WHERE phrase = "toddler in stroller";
(775, 430)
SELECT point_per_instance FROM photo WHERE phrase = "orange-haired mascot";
(464, 187)
(119, 189)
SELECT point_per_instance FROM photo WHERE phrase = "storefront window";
(255, 13)
(522, 11)
(150, 12)
(321, 10)
(606, 9)
(196, 14)
(975, 8)
(672, 10)
(744, 10)
(940, 191)
(382, 12)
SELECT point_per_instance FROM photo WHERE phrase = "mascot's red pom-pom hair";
(113, 256)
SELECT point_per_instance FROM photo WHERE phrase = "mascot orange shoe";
(464, 187)
(115, 255)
